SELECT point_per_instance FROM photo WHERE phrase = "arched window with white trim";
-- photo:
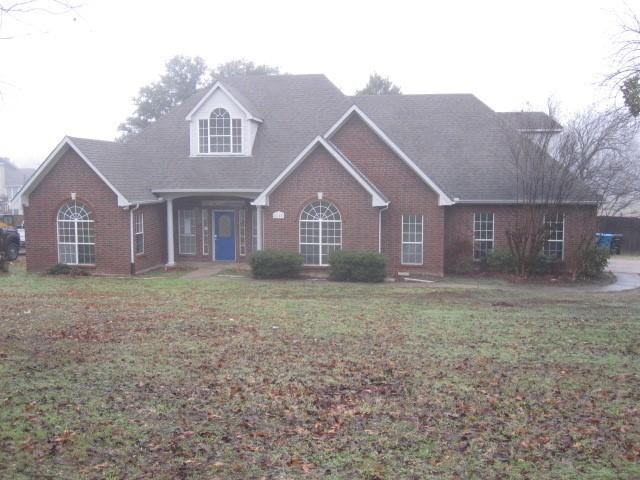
(220, 133)
(320, 232)
(76, 235)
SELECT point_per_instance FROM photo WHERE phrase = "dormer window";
(220, 133)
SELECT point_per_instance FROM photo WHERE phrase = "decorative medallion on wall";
(279, 215)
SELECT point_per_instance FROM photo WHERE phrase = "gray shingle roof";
(529, 121)
(456, 140)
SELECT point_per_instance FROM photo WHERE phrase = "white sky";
(76, 74)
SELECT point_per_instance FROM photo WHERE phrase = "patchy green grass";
(232, 378)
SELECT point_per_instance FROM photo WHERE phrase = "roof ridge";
(71, 137)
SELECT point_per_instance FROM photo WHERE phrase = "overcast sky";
(75, 74)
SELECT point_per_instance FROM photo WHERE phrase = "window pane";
(320, 232)
(412, 233)
(203, 135)
(237, 135)
(224, 226)
(186, 232)
(554, 227)
(242, 233)
(254, 229)
(76, 234)
(205, 232)
(482, 234)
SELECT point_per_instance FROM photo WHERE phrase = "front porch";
(207, 228)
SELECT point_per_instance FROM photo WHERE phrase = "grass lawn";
(232, 378)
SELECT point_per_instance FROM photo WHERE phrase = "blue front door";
(224, 235)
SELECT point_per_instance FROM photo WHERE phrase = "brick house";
(288, 162)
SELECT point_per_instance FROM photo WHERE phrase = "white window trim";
(544, 221)
(319, 243)
(493, 234)
(402, 242)
(139, 215)
(230, 153)
(76, 243)
(205, 232)
(242, 237)
(180, 215)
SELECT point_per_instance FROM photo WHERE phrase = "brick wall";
(409, 195)
(459, 227)
(155, 237)
(71, 174)
(320, 172)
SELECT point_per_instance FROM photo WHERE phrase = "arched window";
(220, 133)
(76, 235)
(320, 232)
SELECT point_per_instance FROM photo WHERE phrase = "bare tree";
(600, 147)
(543, 186)
(20, 10)
(626, 78)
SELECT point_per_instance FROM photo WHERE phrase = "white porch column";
(259, 228)
(170, 249)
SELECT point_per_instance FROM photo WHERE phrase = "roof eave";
(443, 198)
(216, 86)
(22, 197)
(263, 199)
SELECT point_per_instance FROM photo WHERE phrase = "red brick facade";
(408, 194)
(155, 237)
(448, 231)
(72, 175)
(320, 172)
(578, 221)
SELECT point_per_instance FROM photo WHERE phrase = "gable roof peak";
(234, 95)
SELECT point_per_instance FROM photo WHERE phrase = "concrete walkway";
(209, 269)
(627, 272)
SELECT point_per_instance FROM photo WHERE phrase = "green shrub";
(546, 265)
(63, 269)
(275, 264)
(459, 259)
(59, 269)
(592, 263)
(498, 260)
(357, 266)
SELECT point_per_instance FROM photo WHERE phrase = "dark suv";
(9, 244)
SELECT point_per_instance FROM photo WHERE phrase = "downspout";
(380, 227)
(131, 237)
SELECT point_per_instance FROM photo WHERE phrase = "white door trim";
(213, 233)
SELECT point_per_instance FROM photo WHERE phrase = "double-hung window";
(186, 232)
(554, 230)
(483, 238)
(412, 233)
(138, 225)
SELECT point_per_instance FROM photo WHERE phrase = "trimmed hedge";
(275, 264)
(357, 266)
